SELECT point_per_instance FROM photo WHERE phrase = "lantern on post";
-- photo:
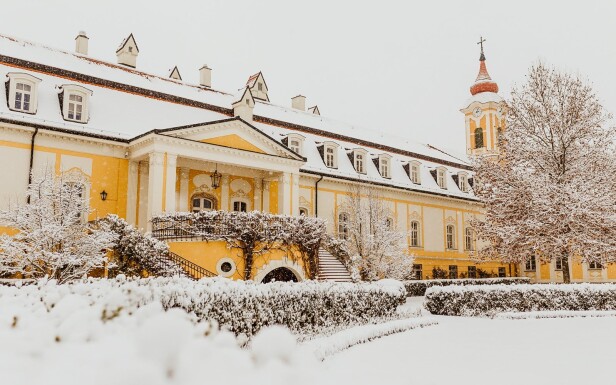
(215, 178)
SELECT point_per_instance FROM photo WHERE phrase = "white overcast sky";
(401, 67)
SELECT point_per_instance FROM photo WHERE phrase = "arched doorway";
(280, 274)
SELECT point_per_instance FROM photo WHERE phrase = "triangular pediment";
(233, 133)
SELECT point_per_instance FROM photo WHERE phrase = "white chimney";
(205, 76)
(128, 51)
(81, 43)
(299, 102)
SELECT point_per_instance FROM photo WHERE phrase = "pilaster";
(155, 186)
(284, 193)
(184, 180)
(266, 196)
(142, 215)
(224, 192)
(294, 194)
(258, 182)
(132, 195)
(170, 182)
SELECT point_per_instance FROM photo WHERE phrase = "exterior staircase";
(331, 269)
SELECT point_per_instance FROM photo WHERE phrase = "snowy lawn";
(462, 350)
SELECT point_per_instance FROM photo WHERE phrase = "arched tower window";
(479, 137)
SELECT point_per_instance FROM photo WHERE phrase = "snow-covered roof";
(483, 97)
(126, 103)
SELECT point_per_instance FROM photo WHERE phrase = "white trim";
(19, 77)
(291, 265)
(73, 89)
(219, 267)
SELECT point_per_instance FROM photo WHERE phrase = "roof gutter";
(36, 130)
(316, 197)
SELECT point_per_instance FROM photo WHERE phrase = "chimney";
(128, 51)
(299, 102)
(81, 43)
(205, 76)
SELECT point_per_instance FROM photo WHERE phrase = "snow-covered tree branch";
(551, 192)
(53, 236)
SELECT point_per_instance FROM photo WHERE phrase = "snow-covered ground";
(462, 350)
(68, 339)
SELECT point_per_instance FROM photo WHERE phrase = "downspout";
(31, 159)
(316, 197)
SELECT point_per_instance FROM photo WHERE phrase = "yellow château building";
(152, 144)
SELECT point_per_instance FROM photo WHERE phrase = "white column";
(295, 194)
(284, 193)
(170, 182)
(155, 187)
(132, 193)
(142, 217)
(184, 198)
(266, 196)
(257, 194)
(224, 192)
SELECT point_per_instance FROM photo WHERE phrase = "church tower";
(484, 112)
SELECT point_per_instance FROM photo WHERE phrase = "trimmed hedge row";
(416, 288)
(490, 300)
(242, 307)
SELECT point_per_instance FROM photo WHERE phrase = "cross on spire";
(480, 42)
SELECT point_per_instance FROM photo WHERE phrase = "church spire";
(484, 82)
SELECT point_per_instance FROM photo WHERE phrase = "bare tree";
(550, 193)
(377, 248)
(53, 236)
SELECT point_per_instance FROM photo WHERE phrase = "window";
(303, 211)
(463, 182)
(329, 157)
(75, 107)
(415, 173)
(202, 202)
(530, 265)
(440, 178)
(469, 239)
(415, 234)
(295, 145)
(384, 167)
(73, 199)
(451, 237)
(23, 95)
(260, 86)
(478, 137)
(247, 101)
(75, 103)
(417, 271)
(343, 225)
(240, 206)
(594, 265)
(22, 92)
(359, 163)
(558, 263)
(472, 271)
(502, 272)
(453, 272)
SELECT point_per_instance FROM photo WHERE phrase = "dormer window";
(441, 179)
(414, 173)
(463, 182)
(359, 162)
(383, 163)
(295, 142)
(329, 157)
(74, 103)
(22, 92)
(329, 153)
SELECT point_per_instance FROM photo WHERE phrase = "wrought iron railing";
(194, 271)
(206, 228)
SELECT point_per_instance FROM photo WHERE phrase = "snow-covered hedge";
(136, 253)
(242, 307)
(418, 287)
(492, 299)
(557, 314)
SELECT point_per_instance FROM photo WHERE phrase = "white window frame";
(359, 161)
(385, 166)
(334, 148)
(415, 234)
(463, 182)
(441, 177)
(69, 90)
(241, 200)
(450, 237)
(594, 265)
(15, 78)
(530, 264)
(469, 239)
(415, 172)
(299, 148)
(201, 200)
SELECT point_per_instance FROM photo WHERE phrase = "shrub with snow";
(241, 307)
(418, 287)
(491, 299)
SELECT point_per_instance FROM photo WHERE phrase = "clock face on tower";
(477, 112)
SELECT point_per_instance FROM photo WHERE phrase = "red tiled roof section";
(484, 82)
